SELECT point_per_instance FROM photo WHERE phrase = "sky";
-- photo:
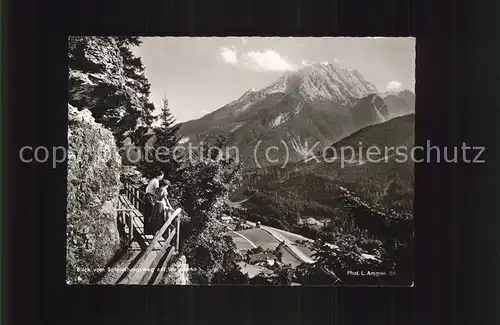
(201, 74)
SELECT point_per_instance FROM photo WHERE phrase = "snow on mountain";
(236, 127)
(278, 120)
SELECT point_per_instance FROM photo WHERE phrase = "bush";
(211, 252)
(394, 230)
(202, 189)
(234, 277)
(93, 187)
(239, 226)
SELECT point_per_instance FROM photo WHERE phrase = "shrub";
(211, 252)
(202, 188)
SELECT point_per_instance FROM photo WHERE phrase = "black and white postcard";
(241, 161)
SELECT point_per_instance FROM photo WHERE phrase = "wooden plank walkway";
(155, 250)
(138, 227)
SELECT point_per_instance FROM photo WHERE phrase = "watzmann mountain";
(314, 106)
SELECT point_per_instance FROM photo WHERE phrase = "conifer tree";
(167, 131)
(107, 78)
(158, 150)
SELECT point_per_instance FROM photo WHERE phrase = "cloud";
(229, 55)
(308, 63)
(393, 85)
(265, 61)
(268, 60)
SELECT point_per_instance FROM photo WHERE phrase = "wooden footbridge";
(155, 251)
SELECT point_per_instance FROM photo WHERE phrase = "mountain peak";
(248, 92)
(398, 92)
(314, 67)
(324, 81)
(321, 82)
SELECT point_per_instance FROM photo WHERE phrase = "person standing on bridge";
(162, 205)
(150, 202)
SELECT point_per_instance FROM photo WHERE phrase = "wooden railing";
(127, 213)
(171, 226)
(135, 196)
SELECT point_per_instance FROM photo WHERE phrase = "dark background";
(456, 205)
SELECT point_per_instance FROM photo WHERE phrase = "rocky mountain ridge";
(316, 105)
